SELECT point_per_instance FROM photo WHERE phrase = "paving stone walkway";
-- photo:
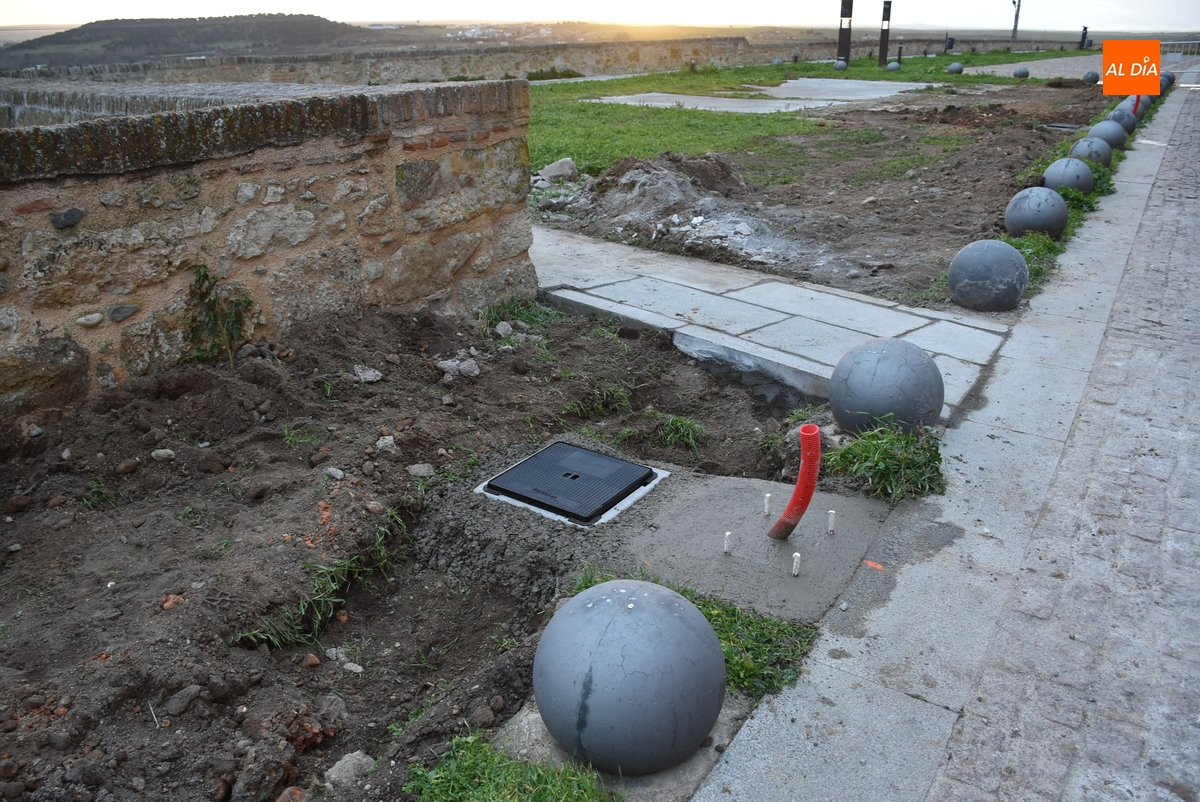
(1090, 687)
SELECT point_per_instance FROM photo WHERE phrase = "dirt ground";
(154, 541)
(877, 201)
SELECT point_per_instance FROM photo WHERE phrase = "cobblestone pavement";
(1090, 687)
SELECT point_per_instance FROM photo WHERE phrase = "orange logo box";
(1131, 66)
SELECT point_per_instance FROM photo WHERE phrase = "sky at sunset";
(1122, 15)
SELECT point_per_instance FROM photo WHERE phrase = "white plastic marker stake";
(832, 515)
(727, 534)
(796, 564)
(767, 505)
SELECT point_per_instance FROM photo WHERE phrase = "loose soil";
(142, 593)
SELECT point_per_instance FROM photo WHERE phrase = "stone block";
(425, 270)
(314, 284)
(52, 373)
(264, 230)
(458, 186)
(516, 282)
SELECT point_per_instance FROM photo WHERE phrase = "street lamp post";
(1016, 17)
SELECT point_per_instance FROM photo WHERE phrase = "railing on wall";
(1179, 56)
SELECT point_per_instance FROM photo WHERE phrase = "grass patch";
(300, 434)
(473, 770)
(762, 654)
(804, 414)
(599, 403)
(674, 430)
(894, 464)
(554, 73)
(537, 316)
(937, 292)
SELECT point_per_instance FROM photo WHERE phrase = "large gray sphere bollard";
(1091, 77)
(1092, 148)
(630, 677)
(1036, 209)
(839, 65)
(886, 379)
(1069, 174)
(988, 276)
(1021, 72)
(1170, 76)
(1123, 116)
(955, 68)
(1112, 133)
(893, 66)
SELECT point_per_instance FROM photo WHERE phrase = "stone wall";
(308, 205)
(403, 66)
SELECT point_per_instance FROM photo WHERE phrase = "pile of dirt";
(154, 540)
(878, 200)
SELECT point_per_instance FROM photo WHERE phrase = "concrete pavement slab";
(837, 89)
(663, 100)
(832, 738)
(689, 305)
(593, 305)
(958, 378)
(1032, 398)
(810, 378)
(965, 343)
(846, 313)
(817, 341)
(1067, 342)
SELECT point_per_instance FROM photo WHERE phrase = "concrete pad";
(931, 636)
(1088, 259)
(964, 318)
(958, 377)
(564, 259)
(1066, 342)
(819, 342)
(591, 305)
(1075, 298)
(810, 378)
(689, 305)
(846, 313)
(836, 89)
(680, 537)
(663, 100)
(1032, 398)
(843, 738)
(1064, 67)
(961, 342)
(524, 737)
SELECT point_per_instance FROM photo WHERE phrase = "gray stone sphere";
(1021, 72)
(1124, 117)
(630, 677)
(839, 65)
(988, 276)
(1170, 76)
(1070, 174)
(1092, 148)
(886, 379)
(955, 69)
(893, 66)
(1036, 209)
(1164, 83)
(1091, 77)
(1111, 132)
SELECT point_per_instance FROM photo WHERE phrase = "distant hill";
(124, 40)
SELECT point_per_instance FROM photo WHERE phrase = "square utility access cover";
(572, 482)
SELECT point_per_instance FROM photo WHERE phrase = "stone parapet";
(306, 203)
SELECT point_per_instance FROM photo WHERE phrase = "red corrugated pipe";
(806, 483)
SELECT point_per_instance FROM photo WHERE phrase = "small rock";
(519, 367)
(365, 374)
(496, 703)
(448, 379)
(90, 321)
(482, 717)
(743, 229)
(57, 501)
(349, 770)
(211, 463)
(375, 508)
(386, 443)
(13, 548)
(112, 198)
(180, 701)
(447, 366)
(520, 325)
(563, 169)
(469, 368)
(18, 504)
(258, 490)
(36, 431)
(60, 740)
(697, 220)
(353, 668)
(66, 454)
(310, 661)
(871, 199)
(335, 473)
(447, 400)
(121, 311)
(368, 468)
(422, 470)
(127, 466)
(66, 219)
(503, 329)
(318, 457)
(162, 455)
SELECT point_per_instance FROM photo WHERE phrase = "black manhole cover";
(576, 483)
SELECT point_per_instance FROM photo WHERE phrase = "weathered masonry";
(309, 201)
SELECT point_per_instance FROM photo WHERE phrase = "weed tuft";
(215, 321)
(894, 464)
(674, 430)
(599, 402)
